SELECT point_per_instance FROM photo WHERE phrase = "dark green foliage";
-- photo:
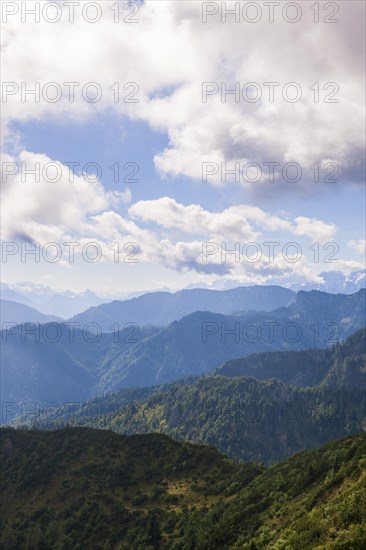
(316, 499)
(95, 488)
(105, 491)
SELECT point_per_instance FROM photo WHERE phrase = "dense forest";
(80, 488)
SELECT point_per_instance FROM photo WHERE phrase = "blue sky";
(169, 133)
(107, 139)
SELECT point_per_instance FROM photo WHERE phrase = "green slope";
(342, 365)
(245, 418)
(90, 489)
(316, 499)
(80, 488)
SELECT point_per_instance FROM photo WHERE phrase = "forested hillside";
(262, 419)
(80, 488)
(341, 366)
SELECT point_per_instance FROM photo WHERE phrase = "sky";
(188, 132)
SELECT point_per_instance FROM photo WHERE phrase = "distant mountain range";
(60, 364)
(334, 282)
(14, 312)
(67, 304)
(48, 301)
(201, 341)
(162, 308)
